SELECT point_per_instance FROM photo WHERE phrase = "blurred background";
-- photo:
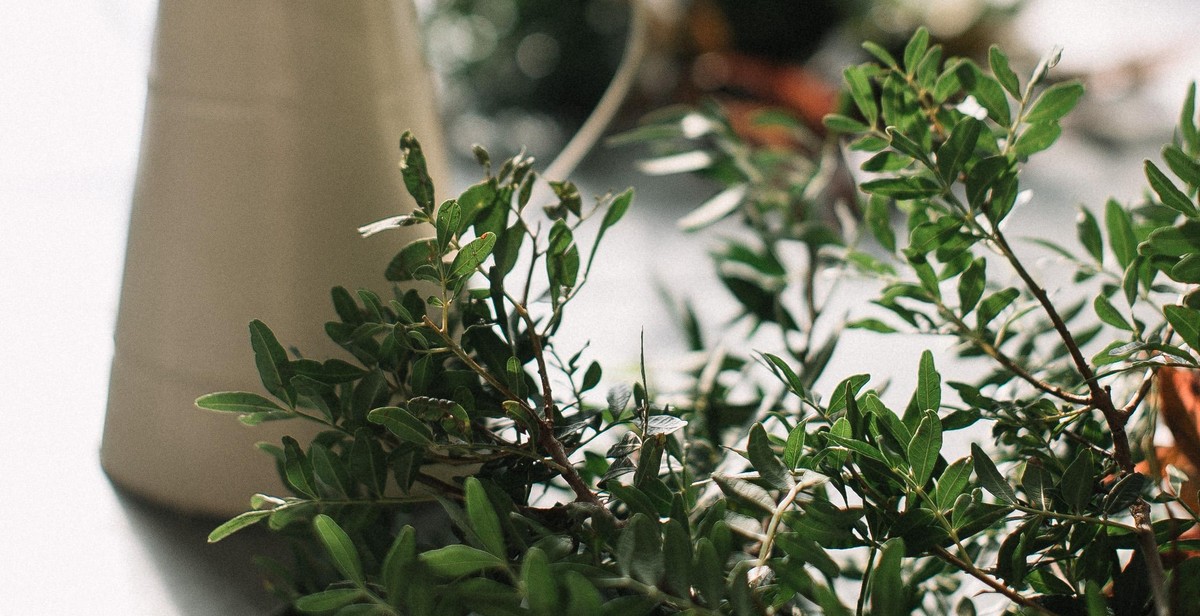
(72, 88)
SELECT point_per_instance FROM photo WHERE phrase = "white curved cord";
(593, 128)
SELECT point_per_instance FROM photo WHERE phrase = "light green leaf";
(458, 560)
(1089, 234)
(448, 216)
(1076, 485)
(915, 49)
(237, 402)
(953, 155)
(971, 284)
(989, 477)
(329, 600)
(842, 124)
(400, 557)
(340, 548)
(795, 445)
(538, 584)
(484, 520)
(862, 93)
(1037, 137)
(244, 520)
(951, 483)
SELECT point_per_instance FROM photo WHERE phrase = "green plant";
(790, 501)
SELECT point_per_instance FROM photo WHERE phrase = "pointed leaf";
(1183, 166)
(758, 449)
(1120, 233)
(1167, 192)
(1057, 101)
(719, 206)
(244, 520)
(273, 366)
(1109, 313)
(1004, 74)
(989, 477)
(1186, 322)
(402, 423)
(925, 447)
(1089, 234)
(472, 255)
(237, 402)
(484, 520)
(340, 548)
(458, 560)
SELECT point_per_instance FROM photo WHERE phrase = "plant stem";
(991, 582)
(768, 543)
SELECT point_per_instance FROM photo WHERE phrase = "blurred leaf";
(915, 49)
(887, 597)
(1120, 233)
(328, 600)
(1037, 137)
(663, 424)
(539, 587)
(1089, 234)
(758, 449)
(457, 560)
(1109, 313)
(1004, 74)
(719, 206)
(970, 285)
(1183, 166)
(795, 445)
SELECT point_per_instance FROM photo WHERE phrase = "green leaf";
(924, 448)
(1183, 166)
(273, 366)
(484, 520)
(1057, 101)
(244, 520)
(1186, 322)
(395, 570)
(677, 558)
(742, 490)
(639, 550)
(902, 188)
(402, 423)
(887, 595)
(879, 219)
(708, 570)
(915, 49)
(1187, 120)
(762, 457)
(538, 584)
(1077, 483)
(472, 255)
(794, 449)
(328, 471)
(717, 207)
(415, 172)
(1004, 74)
(987, 92)
(991, 307)
(1037, 483)
(418, 260)
(448, 217)
(458, 560)
(297, 468)
(1089, 234)
(842, 124)
(368, 462)
(1187, 269)
(928, 395)
(862, 93)
(582, 596)
(1109, 313)
(1120, 233)
(1037, 137)
(953, 155)
(237, 402)
(882, 54)
(340, 548)
(329, 600)
(952, 482)
(989, 477)
(971, 284)
(1167, 192)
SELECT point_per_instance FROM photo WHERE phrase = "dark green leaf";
(472, 255)
(758, 449)
(1037, 137)
(861, 92)
(340, 548)
(1120, 233)
(297, 468)
(448, 217)
(971, 284)
(1167, 192)
(989, 477)
(1057, 101)
(416, 261)
(1004, 74)
(991, 307)
(1109, 313)
(394, 572)
(987, 91)
(1037, 483)
(1077, 483)
(842, 124)
(402, 423)
(1186, 322)
(328, 471)
(915, 49)
(953, 155)
(639, 550)
(928, 395)
(749, 493)
(708, 569)
(273, 366)
(795, 445)
(924, 448)
(880, 222)
(1089, 234)
(1187, 269)
(887, 596)
(415, 172)
(1187, 120)
(677, 557)
(952, 482)
(1183, 166)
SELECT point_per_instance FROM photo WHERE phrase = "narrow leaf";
(272, 362)
(1183, 166)
(1120, 233)
(1109, 313)
(402, 423)
(989, 477)
(1057, 101)
(237, 402)
(458, 560)
(758, 449)
(472, 255)
(1186, 322)
(924, 448)
(719, 206)
(340, 548)
(1004, 74)
(484, 520)
(244, 520)
(1089, 234)
(1167, 192)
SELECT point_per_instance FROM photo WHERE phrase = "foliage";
(785, 501)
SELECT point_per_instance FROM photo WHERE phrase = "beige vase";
(270, 135)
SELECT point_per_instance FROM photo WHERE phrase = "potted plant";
(783, 500)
